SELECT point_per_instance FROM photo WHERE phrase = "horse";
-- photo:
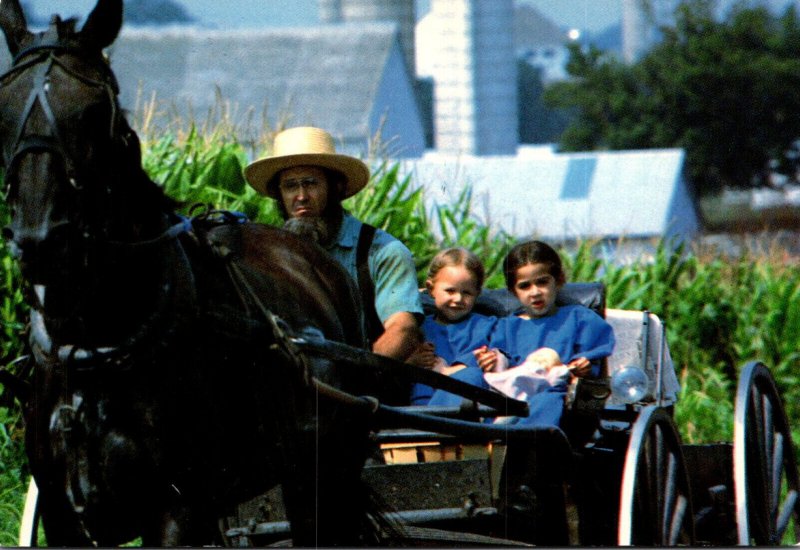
(165, 388)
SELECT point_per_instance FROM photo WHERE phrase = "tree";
(726, 92)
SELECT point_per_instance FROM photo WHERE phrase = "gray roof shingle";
(326, 76)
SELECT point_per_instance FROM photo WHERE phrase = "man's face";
(304, 191)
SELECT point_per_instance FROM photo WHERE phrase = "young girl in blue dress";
(454, 281)
(581, 338)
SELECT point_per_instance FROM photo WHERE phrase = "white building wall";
(630, 194)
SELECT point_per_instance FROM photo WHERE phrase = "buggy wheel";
(655, 501)
(29, 524)
(765, 471)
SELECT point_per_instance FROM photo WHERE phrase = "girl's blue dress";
(572, 330)
(450, 341)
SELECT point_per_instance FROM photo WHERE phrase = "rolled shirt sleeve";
(394, 274)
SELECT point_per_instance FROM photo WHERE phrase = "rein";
(295, 349)
(172, 232)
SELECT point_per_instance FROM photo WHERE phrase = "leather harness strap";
(373, 324)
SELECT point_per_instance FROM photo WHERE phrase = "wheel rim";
(765, 471)
(655, 500)
(29, 524)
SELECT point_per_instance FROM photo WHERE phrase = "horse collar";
(177, 296)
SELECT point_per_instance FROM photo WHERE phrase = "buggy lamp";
(629, 384)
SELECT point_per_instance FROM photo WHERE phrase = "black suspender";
(372, 322)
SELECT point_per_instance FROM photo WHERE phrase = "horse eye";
(95, 117)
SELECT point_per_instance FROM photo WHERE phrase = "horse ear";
(12, 21)
(103, 24)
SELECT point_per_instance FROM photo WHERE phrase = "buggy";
(616, 473)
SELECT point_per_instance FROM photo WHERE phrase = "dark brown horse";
(164, 389)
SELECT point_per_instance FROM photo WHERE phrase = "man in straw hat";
(309, 180)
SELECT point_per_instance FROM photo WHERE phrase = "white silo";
(641, 20)
(635, 30)
(330, 11)
(475, 76)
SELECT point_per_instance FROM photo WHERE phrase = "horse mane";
(64, 25)
(147, 192)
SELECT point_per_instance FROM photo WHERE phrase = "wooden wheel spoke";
(765, 472)
(777, 472)
(655, 506)
(786, 510)
(670, 497)
(678, 520)
(767, 440)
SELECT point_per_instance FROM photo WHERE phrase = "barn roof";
(327, 76)
(562, 197)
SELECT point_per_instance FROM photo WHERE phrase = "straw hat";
(305, 146)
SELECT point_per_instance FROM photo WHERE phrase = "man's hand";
(400, 338)
(424, 356)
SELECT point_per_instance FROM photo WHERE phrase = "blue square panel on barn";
(578, 180)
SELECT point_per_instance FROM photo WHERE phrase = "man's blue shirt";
(391, 267)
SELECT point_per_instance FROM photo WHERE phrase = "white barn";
(564, 197)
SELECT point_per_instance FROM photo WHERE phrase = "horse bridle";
(53, 143)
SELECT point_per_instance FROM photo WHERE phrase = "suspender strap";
(373, 323)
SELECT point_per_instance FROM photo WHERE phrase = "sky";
(587, 15)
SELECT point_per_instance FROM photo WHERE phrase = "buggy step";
(405, 517)
(425, 536)
(438, 538)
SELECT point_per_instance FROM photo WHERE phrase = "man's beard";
(312, 228)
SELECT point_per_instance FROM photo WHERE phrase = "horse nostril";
(8, 234)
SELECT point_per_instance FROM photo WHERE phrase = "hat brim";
(259, 173)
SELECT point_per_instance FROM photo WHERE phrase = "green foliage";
(395, 205)
(206, 170)
(13, 470)
(724, 91)
(13, 466)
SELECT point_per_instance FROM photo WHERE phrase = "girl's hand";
(580, 367)
(488, 359)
